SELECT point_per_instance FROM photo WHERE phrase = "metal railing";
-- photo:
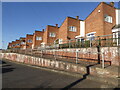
(102, 41)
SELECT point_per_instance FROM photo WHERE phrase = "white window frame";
(38, 38)
(91, 36)
(17, 44)
(51, 34)
(108, 18)
(29, 41)
(116, 34)
(60, 41)
(72, 28)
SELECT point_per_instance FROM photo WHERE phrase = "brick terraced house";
(22, 43)
(37, 39)
(69, 29)
(17, 44)
(29, 41)
(103, 20)
(9, 46)
(50, 35)
(13, 44)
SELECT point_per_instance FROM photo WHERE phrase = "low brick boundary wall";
(111, 54)
(64, 66)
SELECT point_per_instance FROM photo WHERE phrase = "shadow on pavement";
(78, 81)
(6, 67)
(43, 85)
(3, 62)
(5, 70)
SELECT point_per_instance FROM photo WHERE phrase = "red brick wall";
(109, 10)
(29, 37)
(22, 46)
(95, 21)
(37, 43)
(47, 39)
(10, 45)
(45, 35)
(76, 23)
(17, 42)
(64, 29)
(89, 54)
(13, 43)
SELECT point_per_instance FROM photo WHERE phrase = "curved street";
(21, 76)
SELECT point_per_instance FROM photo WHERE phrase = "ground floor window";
(91, 36)
(22, 42)
(17, 44)
(51, 34)
(116, 37)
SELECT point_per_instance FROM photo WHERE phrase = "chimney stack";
(112, 4)
(56, 25)
(77, 17)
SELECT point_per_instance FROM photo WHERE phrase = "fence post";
(103, 61)
(25, 51)
(76, 43)
(76, 56)
(31, 52)
(69, 43)
(41, 53)
(54, 54)
(99, 43)
(90, 42)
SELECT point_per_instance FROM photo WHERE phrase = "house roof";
(71, 18)
(29, 35)
(52, 26)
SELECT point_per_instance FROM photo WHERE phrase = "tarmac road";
(21, 76)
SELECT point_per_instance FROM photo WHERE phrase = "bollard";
(77, 56)
(103, 61)
(90, 43)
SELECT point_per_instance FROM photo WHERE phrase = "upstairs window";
(108, 18)
(72, 28)
(52, 34)
(17, 44)
(29, 41)
(13, 45)
(38, 38)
